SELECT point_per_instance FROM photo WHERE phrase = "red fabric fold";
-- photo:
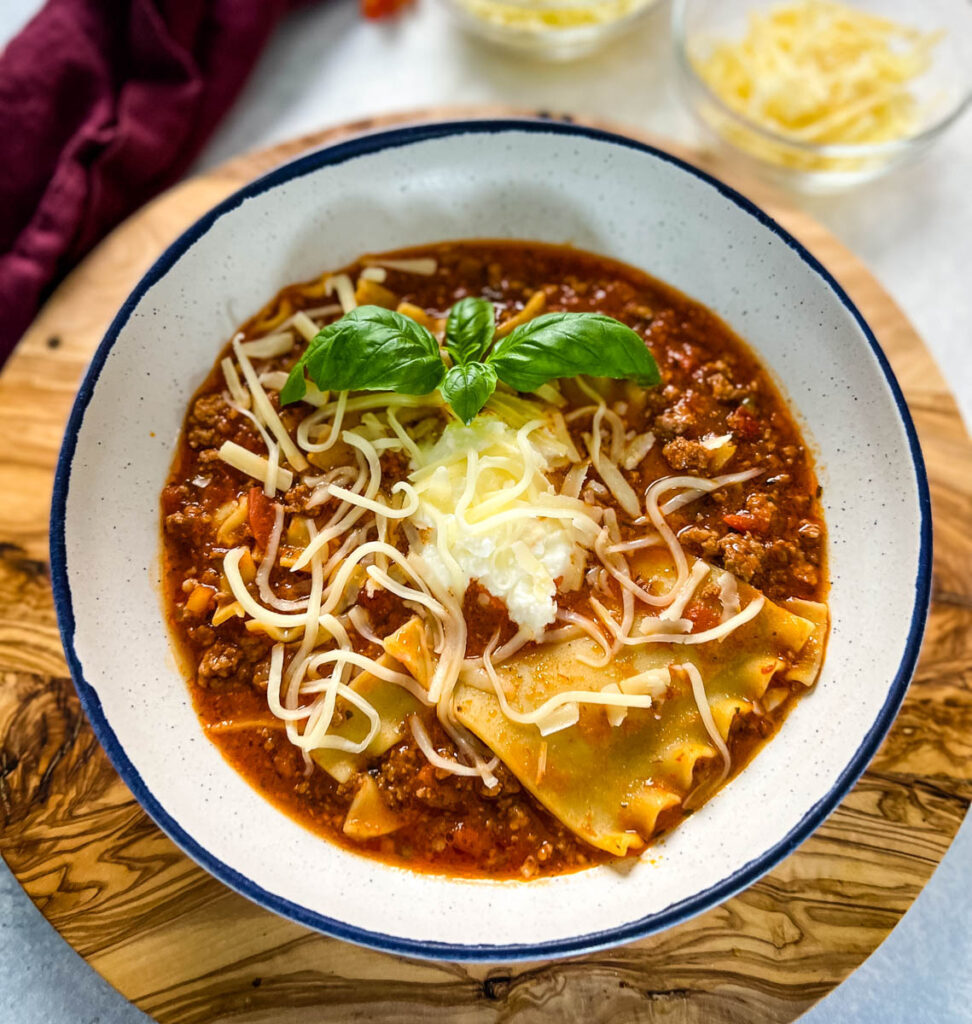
(103, 103)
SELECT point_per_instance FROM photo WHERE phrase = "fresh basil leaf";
(469, 329)
(369, 349)
(569, 344)
(467, 388)
(296, 387)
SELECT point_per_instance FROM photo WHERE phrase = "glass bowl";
(942, 93)
(555, 30)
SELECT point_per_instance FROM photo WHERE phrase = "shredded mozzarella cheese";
(705, 713)
(821, 72)
(238, 393)
(266, 412)
(254, 465)
(269, 346)
(341, 284)
(425, 266)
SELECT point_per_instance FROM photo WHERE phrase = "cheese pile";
(820, 72)
(482, 491)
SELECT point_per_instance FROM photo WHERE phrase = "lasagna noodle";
(807, 666)
(406, 648)
(392, 703)
(608, 783)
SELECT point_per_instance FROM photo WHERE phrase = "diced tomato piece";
(744, 424)
(375, 9)
(704, 616)
(470, 840)
(262, 513)
(746, 522)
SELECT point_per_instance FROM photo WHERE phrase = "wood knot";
(497, 987)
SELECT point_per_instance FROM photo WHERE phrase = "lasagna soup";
(510, 647)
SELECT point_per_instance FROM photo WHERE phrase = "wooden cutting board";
(186, 949)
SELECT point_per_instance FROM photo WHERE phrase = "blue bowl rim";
(475, 952)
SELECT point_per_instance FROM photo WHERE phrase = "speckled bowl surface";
(519, 179)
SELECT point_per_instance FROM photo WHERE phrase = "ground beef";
(762, 507)
(702, 539)
(234, 660)
(295, 500)
(201, 633)
(191, 524)
(201, 437)
(394, 466)
(469, 819)
(785, 558)
(718, 376)
(682, 453)
(742, 555)
(485, 615)
(678, 419)
(173, 497)
(382, 606)
(261, 674)
(208, 409)
(722, 389)
(810, 534)
(759, 515)
(210, 421)
(407, 778)
(220, 660)
(426, 789)
(806, 573)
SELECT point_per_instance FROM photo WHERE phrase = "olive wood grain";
(187, 950)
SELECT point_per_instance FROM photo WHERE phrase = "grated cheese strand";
(425, 266)
(705, 712)
(266, 412)
(307, 328)
(238, 393)
(434, 757)
(254, 465)
(341, 284)
(541, 715)
(269, 346)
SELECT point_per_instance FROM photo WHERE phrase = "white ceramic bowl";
(522, 179)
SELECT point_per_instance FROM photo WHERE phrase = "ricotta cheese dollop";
(483, 490)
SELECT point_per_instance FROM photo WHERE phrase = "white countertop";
(326, 65)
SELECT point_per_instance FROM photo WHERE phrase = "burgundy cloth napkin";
(103, 103)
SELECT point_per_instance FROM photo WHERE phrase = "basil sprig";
(469, 330)
(467, 388)
(369, 349)
(376, 349)
(569, 344)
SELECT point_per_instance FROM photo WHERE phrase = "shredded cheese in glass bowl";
(554, 30)
(824, 94)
